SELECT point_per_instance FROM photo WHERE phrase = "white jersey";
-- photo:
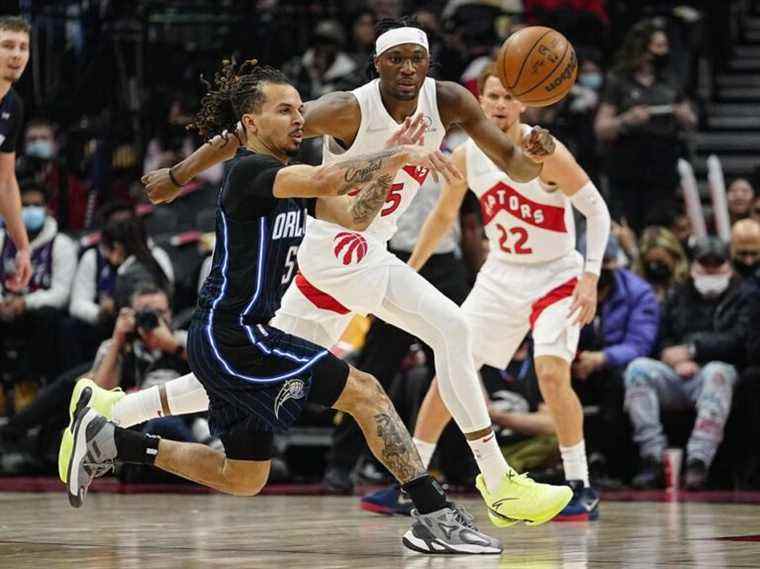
(525, 223)
(376, 127)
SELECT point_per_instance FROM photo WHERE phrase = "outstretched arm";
(446, 211)
(335, 114)
(459, 106)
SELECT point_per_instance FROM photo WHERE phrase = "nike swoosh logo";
(498, 503)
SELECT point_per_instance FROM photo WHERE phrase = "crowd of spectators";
(115, 278)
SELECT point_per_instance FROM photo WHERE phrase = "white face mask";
(711, 285)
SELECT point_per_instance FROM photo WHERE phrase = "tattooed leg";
(385, 433)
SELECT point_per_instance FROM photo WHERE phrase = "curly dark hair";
(635, 45)
(236, 90)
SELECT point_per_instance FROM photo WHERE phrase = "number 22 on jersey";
(519, 243)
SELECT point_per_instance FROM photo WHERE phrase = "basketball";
(537, 65)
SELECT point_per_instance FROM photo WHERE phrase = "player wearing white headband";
(344, 272)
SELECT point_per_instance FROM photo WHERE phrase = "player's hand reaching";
(434, 161)
(538, 144)
(412, 131)
(159, 186)
(584, 299)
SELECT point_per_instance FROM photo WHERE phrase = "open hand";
(412, 132)
(584, 299)
(435, 161)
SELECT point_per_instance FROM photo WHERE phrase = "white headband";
(397, 36)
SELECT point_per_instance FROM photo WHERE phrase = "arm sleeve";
(590, 203)
(64, 265)
(17, 119)
(84, 305)
(641, 331)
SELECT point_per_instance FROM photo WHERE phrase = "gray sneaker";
(449, 530)
(93, 451)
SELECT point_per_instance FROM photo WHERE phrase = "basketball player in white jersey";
(533, 278)
(348, 271)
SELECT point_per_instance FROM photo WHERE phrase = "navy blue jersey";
(257, 238)
(11, 118)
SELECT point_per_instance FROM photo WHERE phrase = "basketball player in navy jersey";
(257, 377)
(14, 55)
(331, 287)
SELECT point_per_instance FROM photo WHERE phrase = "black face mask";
(657, 272)
(660, 61)
(746, 271)
(606, 279)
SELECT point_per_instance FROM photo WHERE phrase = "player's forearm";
(10, 209)
(106, 374)
(518, 166)
(435, 227)
(211, 153)
(590, 203)
(341, 177)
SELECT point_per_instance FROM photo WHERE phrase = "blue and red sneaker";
(388, 501)
(584, 507)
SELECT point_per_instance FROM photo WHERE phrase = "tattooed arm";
(356, 212)
(341, 177)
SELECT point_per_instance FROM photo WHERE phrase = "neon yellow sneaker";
(102, 400)
(520, 498)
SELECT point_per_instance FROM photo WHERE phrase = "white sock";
(186, 395)
(575, 463)
(490, 460)
(137, 407)
(426, 451)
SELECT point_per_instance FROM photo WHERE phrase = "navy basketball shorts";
(258, 380)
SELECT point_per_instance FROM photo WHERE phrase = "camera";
(146, 319)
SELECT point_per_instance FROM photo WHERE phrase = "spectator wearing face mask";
(703, 337)
(41, 160)
(662, 261)
(92, 303)
(641, 118)
(32, 317)
(740, 197)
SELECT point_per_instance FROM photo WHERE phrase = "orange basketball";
(537, 65)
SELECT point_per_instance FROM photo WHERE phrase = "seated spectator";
(126, 249)
(745, 248)
(662, 261)
(33, 317)
(363, 36)
(325, 67)
(625, 328)
(641, 117)
(740, 196)
(144, 351)
(703, 338)
(583, 21)
(92, 297)
(41, 162)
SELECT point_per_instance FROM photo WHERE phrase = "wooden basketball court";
(156, 531)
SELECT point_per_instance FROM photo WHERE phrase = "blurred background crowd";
(672, 358)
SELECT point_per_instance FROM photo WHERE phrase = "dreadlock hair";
(387, 24)
(236, 90)
(14, 24)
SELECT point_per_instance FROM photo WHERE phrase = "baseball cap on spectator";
(710, 251)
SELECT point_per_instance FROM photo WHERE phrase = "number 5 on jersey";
(393, 200)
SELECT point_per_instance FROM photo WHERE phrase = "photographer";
(144, 351)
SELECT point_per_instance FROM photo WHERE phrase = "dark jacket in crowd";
(630, 317)
(753, 318)
(718, 327)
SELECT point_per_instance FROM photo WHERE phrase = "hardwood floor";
(291, 532)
